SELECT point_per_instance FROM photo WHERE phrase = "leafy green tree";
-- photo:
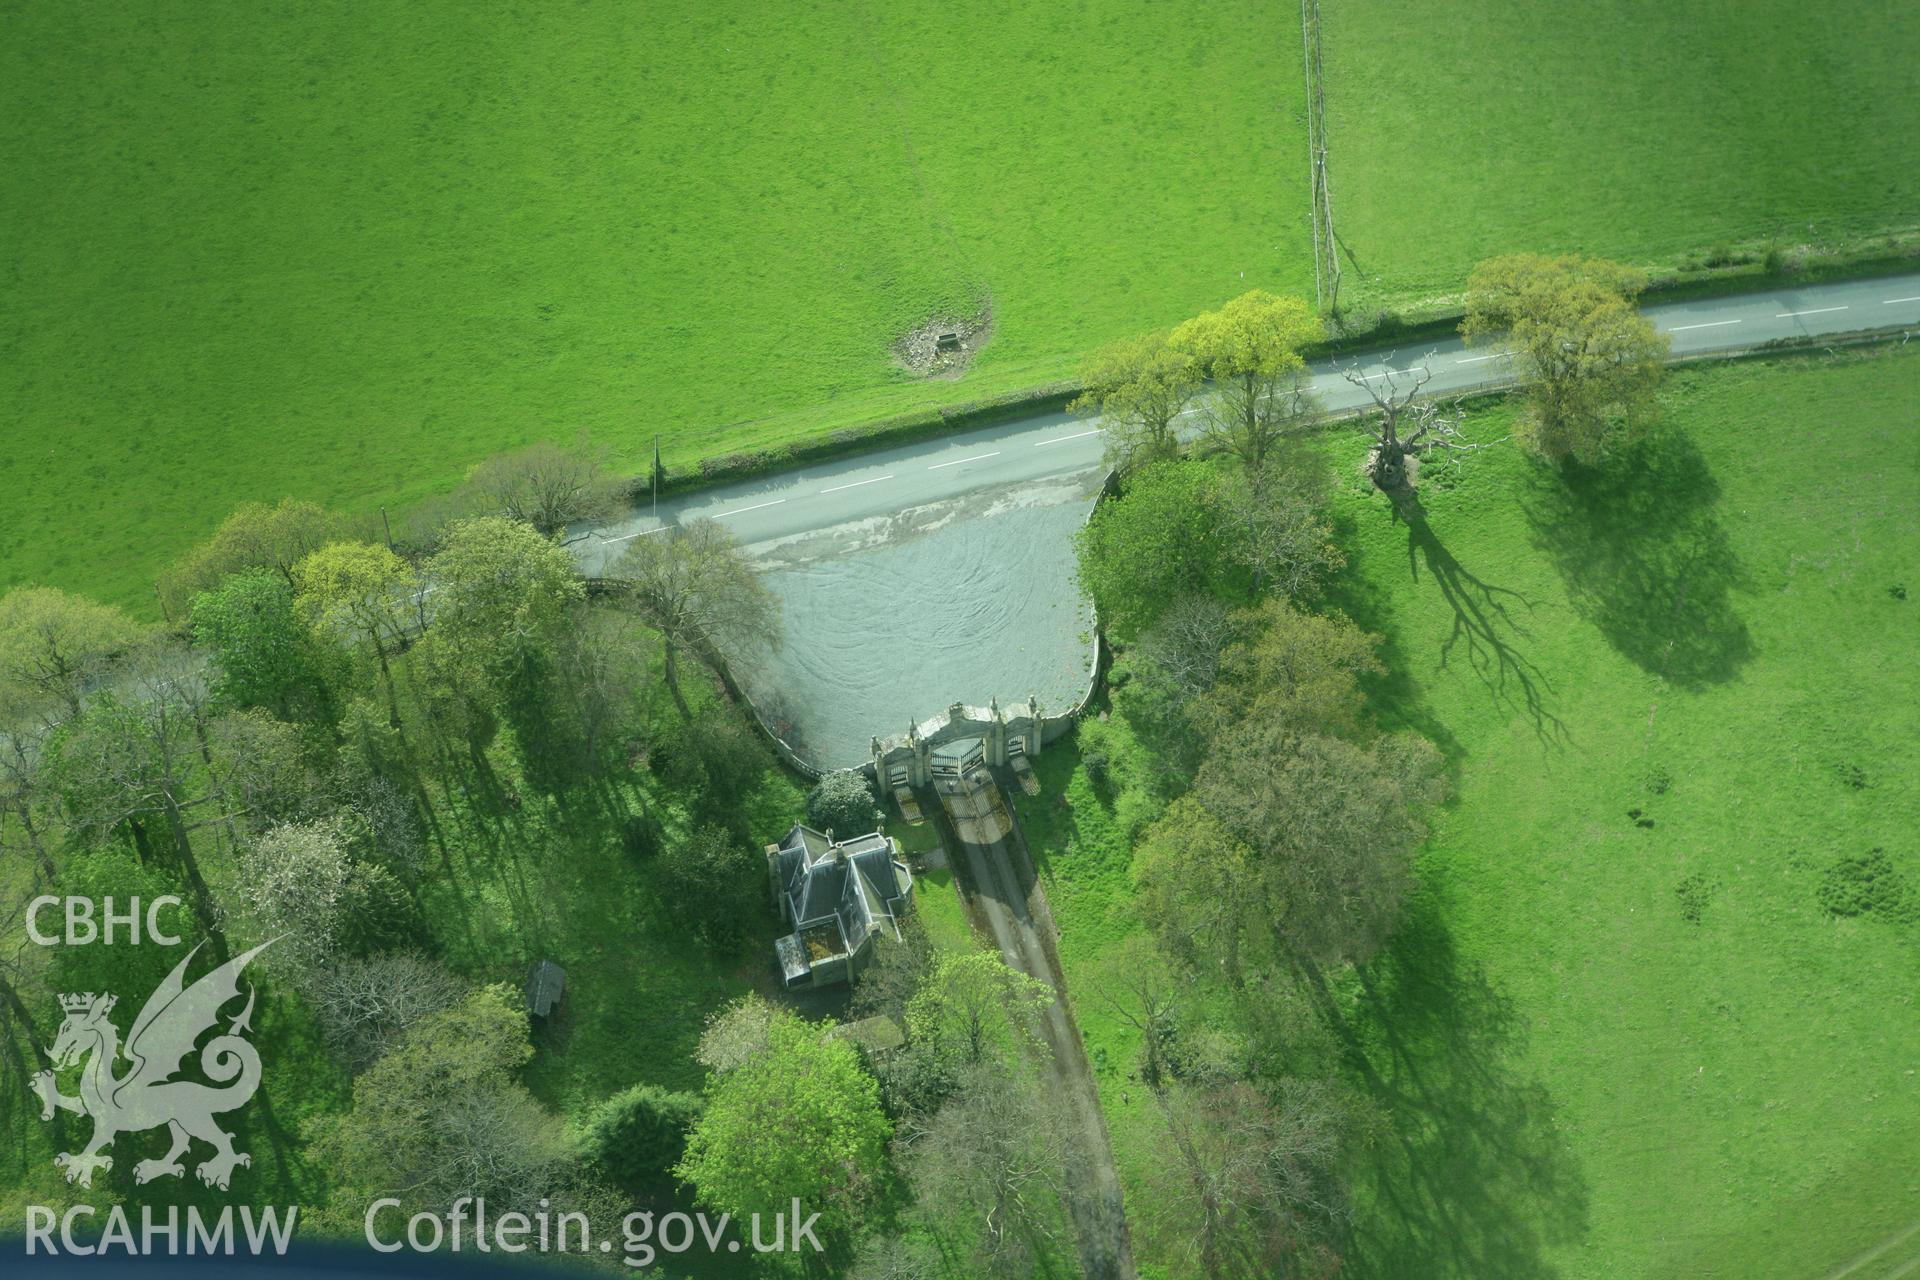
(1163, 538)
(842, 802)
(376, 913)
(503, 607)
(1197, 882)
(1282, 530)
(1139, 387)
(700, 592)
(1160, 685)
(800, 1118)
(1330, 829)
(717, 756)
(53, 645)
(1293, 668)
(716, 884)
(255, 536)
(1250, 351)
(357, 591)
(263, 655)
(503, 593)
(1593, 362)
(636, 1137)
(972, 1006)
(441, 1115)
(108, 872)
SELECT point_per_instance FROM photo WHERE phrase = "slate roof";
(854, 880)
(546, 984)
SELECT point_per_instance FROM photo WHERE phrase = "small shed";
(546, 988)
(946, 342)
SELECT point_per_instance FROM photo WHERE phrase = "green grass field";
(252, 252)
(1636, 130)
(1625, 1050)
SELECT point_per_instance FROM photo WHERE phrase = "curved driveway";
(925, 574)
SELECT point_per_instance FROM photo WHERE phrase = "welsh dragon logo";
(172, 1022)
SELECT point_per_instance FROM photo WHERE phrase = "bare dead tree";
(366, 1005)
(1250, 1184)
(1405, 422)
(991, 1167)
(549, 486)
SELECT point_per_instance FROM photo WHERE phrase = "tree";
(1331, 829)
(441, 1115)
(1406, 426)
(842, 802)
(367, 1004)
(54, 645)
(1250, 351)
(1248, 1186)
(139, 766)
(1593, 361)
(1159, 540)
(1198, 883)
(262, 653)
(255, 536)
(1163, 680)
(1284, 536)
(1135, 981)
(23, 786)
(357, 590)
(736, 1034)
(973, 1004)
(715, 884)
(991, 1167)
(799, 1118)
(292, 888)
(637, 1136)
(503, 595)
(1290, 667)
(547, 486)
(1139, 387)
(698, 590)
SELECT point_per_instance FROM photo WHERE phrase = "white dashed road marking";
(1710, 324)
(1817, 311)
(1887, 302)
(625, 536)
(1041, 444)
(743, 510)
(957, 461)
(856, 484)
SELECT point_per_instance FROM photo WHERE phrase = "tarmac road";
(821, 496)
(924, 574)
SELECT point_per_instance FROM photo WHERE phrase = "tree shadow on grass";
(1645, 560)
(1487, 623)
(1471, 1177)
(1396, 698)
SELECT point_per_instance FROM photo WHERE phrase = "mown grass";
(344, 255)
(1621, 1033)
(1638, 131)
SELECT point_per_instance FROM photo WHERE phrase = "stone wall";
(907, 757)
